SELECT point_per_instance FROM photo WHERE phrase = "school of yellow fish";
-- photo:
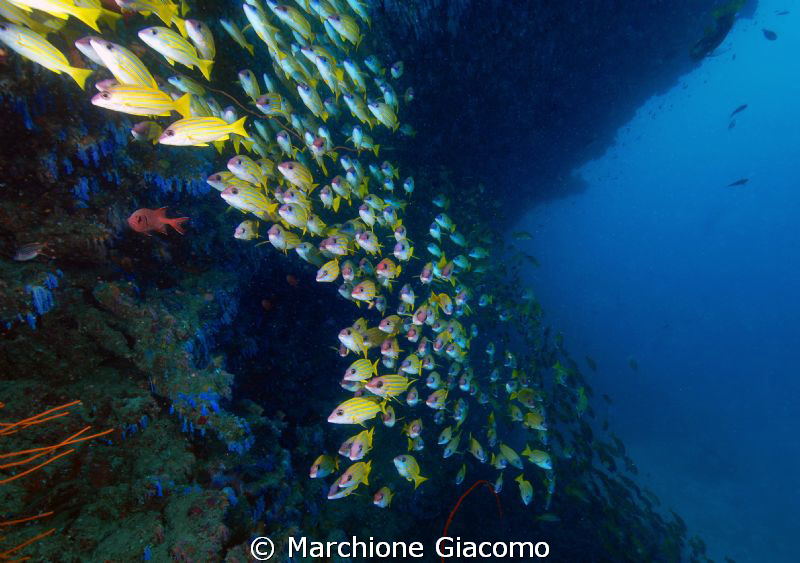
(338, 206)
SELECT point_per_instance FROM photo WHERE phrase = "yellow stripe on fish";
(140, 100)
(126, 67)
(36, 48)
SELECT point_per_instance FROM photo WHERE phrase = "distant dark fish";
(770, 35)
(592, 363)
(782, 13)
(740, 182)
(731, 125)
(741, 108)
(634, 365)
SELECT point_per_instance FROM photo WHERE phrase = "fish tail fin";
(110, 17)
(410, 446)
(177, 224)
(165, 13)
(88, 16)
(180, 25)
(205, 68)
(250, 49)
(183, 105)
(238, 127)
(79, 75)
(418, 480)
(375, 149)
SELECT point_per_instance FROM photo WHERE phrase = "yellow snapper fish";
(237, 35)
(247, 230)
(356, 411)
(353, 340)
(355, 74)
(19, 16)
(437, 399)
(329, 272)
(461, 474)
(146, 131)
(294, 215)
(199, 131)
(408, 467)
(413, 428)
(245, 168)
(174, 48)
(534, 421)
(281, 239)
(36, 48)
(297, 174)
(293, 18)
(388, 386)
(312, 100)
(249, 199)
(346, 27)
(538, 457)
(62, 9)
(202, 38)
(452, 446)
(166, 11)
(383, 498)
(249, 84)
(126, 67)
(511, 456)
(350, 480)
(476, 449)
(385, 114)
(361, 444)
(358, 108)
(525, 489)
(141, 100)
(361, 370)
(365, 291)
(323, 466)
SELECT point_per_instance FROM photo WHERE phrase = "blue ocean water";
(684, 290)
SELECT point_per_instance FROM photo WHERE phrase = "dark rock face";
(517, 94)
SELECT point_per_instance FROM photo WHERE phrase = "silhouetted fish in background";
(770, 35)
(740, 109)
(740, 182)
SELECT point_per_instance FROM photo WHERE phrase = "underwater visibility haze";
(389, 271)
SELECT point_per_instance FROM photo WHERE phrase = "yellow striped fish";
(237, 35)
(248, 199)
(199, 131)
(62, 9)
(388, 385)
(361, 369)
(36, 48)
(356, 410)
(126, 67)
(140, 100)
(175, 48)
(166, 11)
(18, 16)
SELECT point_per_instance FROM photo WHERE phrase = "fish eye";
(154, 31)
(105, 95)
(169, 132)
(139, 219)
(235, 191)
(379, 384)
(291, 167)
(340, 412)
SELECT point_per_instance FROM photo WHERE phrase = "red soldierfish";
(146, 220)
